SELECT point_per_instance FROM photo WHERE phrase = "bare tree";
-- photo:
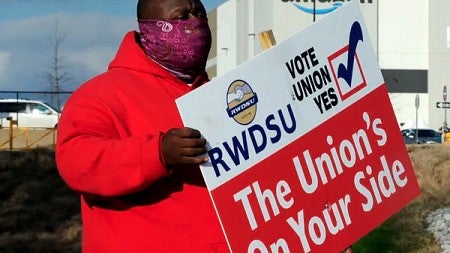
(56, 76)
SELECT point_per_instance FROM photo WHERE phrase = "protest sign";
(305, 153)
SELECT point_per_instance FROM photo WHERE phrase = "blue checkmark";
(346, 72)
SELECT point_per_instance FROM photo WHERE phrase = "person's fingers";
(192, 143)
(185, 138)
(185, 132)
(192, 151)
(183, 146)
(191, 160)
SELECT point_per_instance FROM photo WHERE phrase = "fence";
(25, 138)
(55, 99)
(17, 129)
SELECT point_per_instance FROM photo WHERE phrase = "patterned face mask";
(181, 46)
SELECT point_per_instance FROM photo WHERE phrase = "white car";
(28, 113)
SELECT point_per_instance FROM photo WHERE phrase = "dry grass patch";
(406, 230)
(39, 213)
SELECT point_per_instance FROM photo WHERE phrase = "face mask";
(181, 46)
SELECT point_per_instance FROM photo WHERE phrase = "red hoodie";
(108, 150)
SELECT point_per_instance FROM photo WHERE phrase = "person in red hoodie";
(122, 145)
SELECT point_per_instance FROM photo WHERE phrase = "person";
(122, 145)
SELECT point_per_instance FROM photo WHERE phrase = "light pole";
(444, 124)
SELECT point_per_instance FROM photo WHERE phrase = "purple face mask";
(181, 46)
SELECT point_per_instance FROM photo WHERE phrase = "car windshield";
(51, 106)
(428, 133)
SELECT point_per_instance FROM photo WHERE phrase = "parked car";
(28, 113)
(425, 136)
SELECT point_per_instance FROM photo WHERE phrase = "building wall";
(409, 38)
(403, 57)
(240, 21)
(439, 58)
(403, 33)
(226, 37)
(211, 66)
(288, 19)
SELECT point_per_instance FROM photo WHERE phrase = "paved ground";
(27, 138)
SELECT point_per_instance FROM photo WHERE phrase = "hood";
(131, 56)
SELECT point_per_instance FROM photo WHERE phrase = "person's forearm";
(109, 167)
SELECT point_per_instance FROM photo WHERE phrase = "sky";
(91, 31)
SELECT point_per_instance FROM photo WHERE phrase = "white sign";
(448, 36)
(305, 153)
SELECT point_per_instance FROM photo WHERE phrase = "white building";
(410, 37)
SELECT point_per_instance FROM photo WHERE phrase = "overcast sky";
(92, 31)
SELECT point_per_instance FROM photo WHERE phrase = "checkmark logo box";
(358, 80)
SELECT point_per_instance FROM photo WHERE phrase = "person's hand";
(182, 146)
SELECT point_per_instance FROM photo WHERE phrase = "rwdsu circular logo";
(241, 102)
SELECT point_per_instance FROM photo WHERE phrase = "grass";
(406, 230)
(39, 213)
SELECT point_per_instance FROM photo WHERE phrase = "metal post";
(11, 133)
(12, 122)
(444, 124)
(445, 114)
(314, 10)
(27, 137)
(417, 125)
(417, 104)
(444, 96)
(54, 137)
